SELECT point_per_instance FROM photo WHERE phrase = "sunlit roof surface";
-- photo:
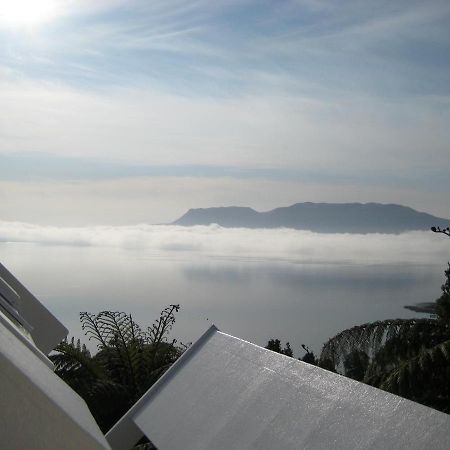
(225, 393)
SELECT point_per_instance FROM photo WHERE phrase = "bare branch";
(445, 231)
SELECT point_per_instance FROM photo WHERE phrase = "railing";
(20, 306)
(10, 304)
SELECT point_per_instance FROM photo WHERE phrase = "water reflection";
(333, 275)
(250, 298)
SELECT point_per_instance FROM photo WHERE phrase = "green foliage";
(355, 364)
(75, 365)
(309, 357)
(129, 360)
(275, 346)
(408, 357)
(443, 302)
(371, 337)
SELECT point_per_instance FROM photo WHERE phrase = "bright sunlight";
(26, 13)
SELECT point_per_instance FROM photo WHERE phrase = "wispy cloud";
(146, 127)
(38, 167)
(350, 93)
(169, 42)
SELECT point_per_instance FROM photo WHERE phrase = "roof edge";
(124, 434)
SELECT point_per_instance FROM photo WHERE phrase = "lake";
(255, 284)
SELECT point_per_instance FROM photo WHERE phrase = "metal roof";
(226, 393)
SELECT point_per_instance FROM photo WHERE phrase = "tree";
(443, 302)
(309, 357)
(409, 357)
(275, 346)
(445, 231)
(355, 364)
(129, 360)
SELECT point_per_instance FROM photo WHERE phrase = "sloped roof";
(226, 393)
(17, 301)
(40, 411)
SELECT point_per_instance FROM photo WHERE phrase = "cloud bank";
(217, 242)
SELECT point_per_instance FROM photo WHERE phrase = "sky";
(122, 112)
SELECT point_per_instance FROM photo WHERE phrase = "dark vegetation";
(129, 360)
(407, 357)
(275, 346)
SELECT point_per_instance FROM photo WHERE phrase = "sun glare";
(26, 13)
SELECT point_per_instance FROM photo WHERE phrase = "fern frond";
(89, 324)
(369, 337)
(411, 376)
(71, 355)
(118, 326)
(74, 364)
(127, 363)
(162, 326)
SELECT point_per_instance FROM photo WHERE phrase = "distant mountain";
(320, 217)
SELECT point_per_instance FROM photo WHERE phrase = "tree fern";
(129, 360)
(409, 357)
(369, 337)
(74, 364)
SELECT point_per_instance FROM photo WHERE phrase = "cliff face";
(320, 217)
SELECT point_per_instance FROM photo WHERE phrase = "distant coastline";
(424, 307)
(319, 217)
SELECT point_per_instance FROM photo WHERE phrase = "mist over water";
(255, 284)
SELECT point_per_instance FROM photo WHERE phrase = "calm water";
(254, 298)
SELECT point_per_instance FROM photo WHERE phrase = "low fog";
(214, 241)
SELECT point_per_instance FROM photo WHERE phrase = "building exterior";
(38, 409)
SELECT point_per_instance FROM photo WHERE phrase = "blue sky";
(261, 103)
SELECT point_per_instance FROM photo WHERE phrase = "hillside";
(320, 217)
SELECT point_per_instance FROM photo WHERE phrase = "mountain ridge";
(320, 217)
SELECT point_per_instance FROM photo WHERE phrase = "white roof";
(40, 411)
(20, 304)
(226, 393)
